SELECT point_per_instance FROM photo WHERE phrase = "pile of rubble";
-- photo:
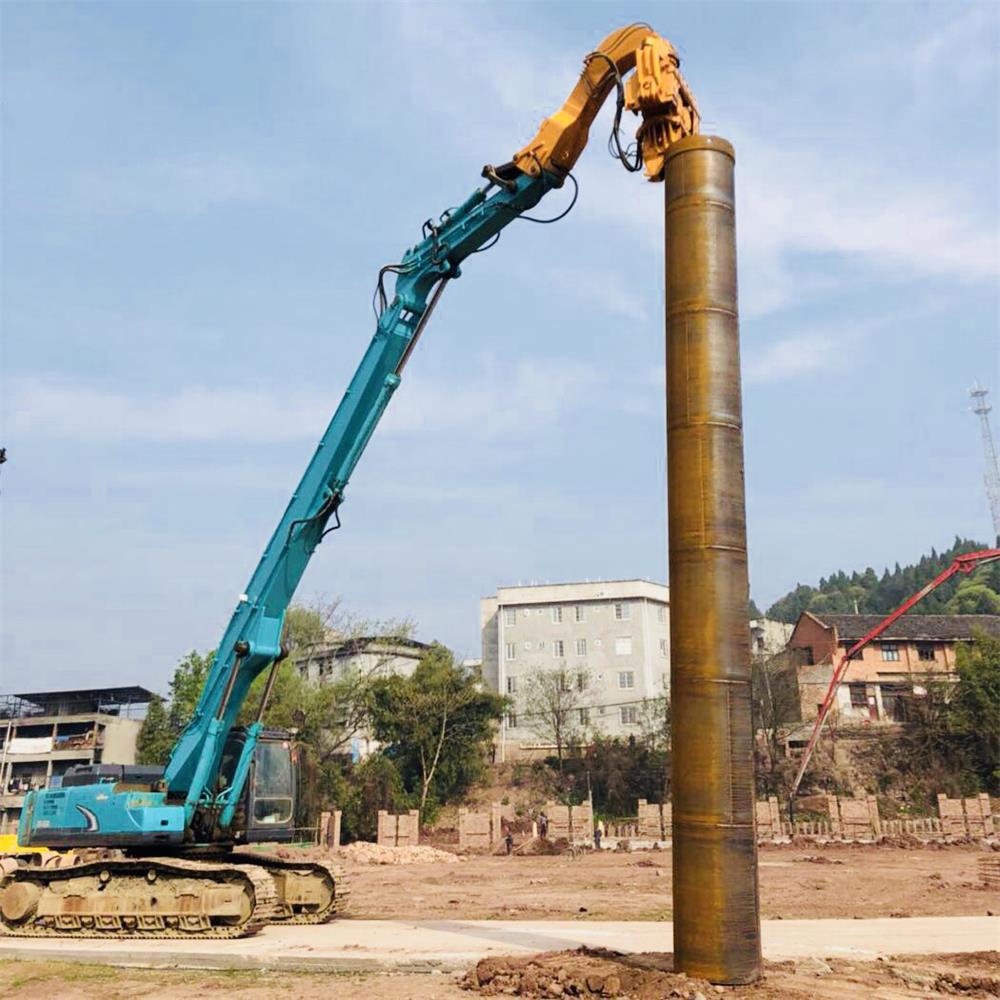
(364, 853)
(585, 973)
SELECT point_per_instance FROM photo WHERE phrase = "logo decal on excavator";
(91, 819)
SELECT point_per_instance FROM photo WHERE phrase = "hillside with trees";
(866, 592)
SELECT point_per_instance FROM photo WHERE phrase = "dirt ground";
(573, 974)
(797, 881)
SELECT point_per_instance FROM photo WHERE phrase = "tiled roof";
(943, 628)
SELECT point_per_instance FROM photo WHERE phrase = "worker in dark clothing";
(508, 837)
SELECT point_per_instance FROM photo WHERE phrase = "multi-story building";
(612, 638)
(42, 734)
(878, 677)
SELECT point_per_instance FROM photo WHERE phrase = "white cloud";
(188, 184)
(495, 400)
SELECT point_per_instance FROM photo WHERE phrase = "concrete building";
(914, 647)
(339, 659)
(768, 637)
(611, 637)
(42, 734)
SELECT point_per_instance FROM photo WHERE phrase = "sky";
(197, 197)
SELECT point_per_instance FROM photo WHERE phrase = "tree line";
(867, 593)
(433, 729)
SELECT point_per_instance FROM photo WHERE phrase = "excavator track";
(308, 892)
(139, 898)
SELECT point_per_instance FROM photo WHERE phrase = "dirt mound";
(364, 853)
(583, 973)
(544, 846)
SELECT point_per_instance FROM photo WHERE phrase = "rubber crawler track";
(264, 911)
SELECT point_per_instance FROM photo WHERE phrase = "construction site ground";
(837, 918)
(796, 881)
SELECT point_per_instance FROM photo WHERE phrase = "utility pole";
(982, 409)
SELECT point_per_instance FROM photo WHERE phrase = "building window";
(623, 645)
(808, 657)
(623, 611)
(584, 716)
(661, 613)
(541, 644)
(511, 650)
(759, 643)
(663, 647)
(557, 647)
(512, 720)
(925, 652)
(579, 614)
(626, 678)
(581, 682)
(510, 616)
(565, 682)
(890, 652)
(527, 646)
(858, 654)
(859, 698)
(597, 642)
(627, 714)
(581, 647)
(511, 685)
(556, 614)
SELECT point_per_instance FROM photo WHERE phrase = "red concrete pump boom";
(962, 564)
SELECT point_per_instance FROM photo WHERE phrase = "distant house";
(768, 637)
(339, 658)
(914, 647)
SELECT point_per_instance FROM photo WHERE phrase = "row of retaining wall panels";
(845, 819)
(482, 831)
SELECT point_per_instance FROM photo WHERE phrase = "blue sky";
(197, 197)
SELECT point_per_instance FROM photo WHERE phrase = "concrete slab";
(447, 945)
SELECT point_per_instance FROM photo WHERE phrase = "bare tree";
(556, 708)
(774, 705)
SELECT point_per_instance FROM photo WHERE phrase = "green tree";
(975, 706)
(186, 687)
(974, 598)
(156, 737)
(164, 722)
(435, 726)
(372, 785)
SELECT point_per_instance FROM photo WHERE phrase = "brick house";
(880, 674)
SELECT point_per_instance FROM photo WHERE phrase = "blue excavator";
(168, 860)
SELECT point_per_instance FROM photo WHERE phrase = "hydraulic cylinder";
(715, 897)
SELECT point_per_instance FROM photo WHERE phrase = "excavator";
(175, 861)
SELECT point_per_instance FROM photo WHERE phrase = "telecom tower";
(982, 408)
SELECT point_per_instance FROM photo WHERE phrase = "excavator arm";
(194, 802)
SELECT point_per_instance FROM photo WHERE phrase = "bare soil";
(796, 881)
(560, 974)
(588, 973)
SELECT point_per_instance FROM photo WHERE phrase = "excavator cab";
(270, 797)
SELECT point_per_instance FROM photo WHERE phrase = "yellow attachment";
(657, 92)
